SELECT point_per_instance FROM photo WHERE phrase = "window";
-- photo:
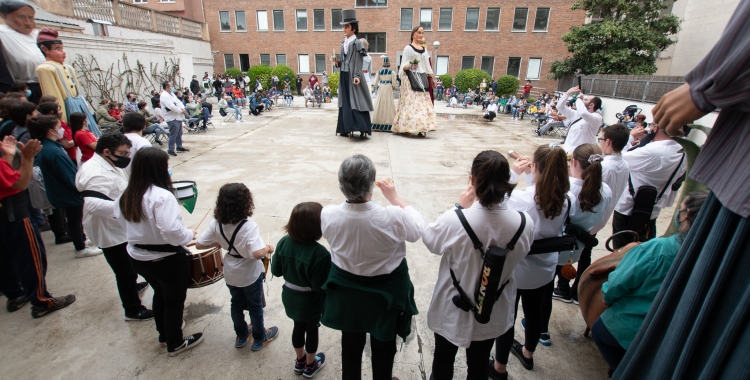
(406, 16)
(446, 19)
(265, 59)
(472, 19)
(467, 63)
(262, 17)
(535, 66)
(376, 41)
(320, 63)
(442, 65)
(304, 63)
(239, 21)
(301, 19)
(514, 66)
(228, 61)
(278, 20)
(140, 1)
(425, 18)
(99, 27)
(372, 3)
(336, 19)
(488, 64)
(224, 25)
(166, 1)
(319, 19)
(244, 62)
(280, 59)
(519, 19)
(541, 19)
(493, 19)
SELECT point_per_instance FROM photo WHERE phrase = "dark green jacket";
(306, 265)
(380, 305)
(59, 173)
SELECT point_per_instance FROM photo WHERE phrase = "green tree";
(233, 72)
(447, 80)
(470, 78)
(507, 85)
(625, 41)
(333, 83)
(280, 71)
(262, 73)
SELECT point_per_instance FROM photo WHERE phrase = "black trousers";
(23, 262)
(547, 305)
(490, 115)
(75, 226)
(169, 278)
(533, 311)
(57, 223)
(120, 262)
(476, 359)
(352, 346)
(621, 222)
(255, 110)
(309, 329)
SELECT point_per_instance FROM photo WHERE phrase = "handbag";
(418, 81)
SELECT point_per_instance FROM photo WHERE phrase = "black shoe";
(141, 286)
(143, 315)
(16, 304)
(172, 153)
(63, 239)
(559, 295)
(574, 295)
(310, 371)
(183, 149)
(160, 143)
(494, 375)
(57, 304)
(517, 350)
(188, 343)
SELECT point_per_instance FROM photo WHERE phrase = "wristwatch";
(458, 206)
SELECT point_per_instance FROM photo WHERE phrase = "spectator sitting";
(103, 119)
(501, 103)
(202, 100)
(196, 111)
(308, 95)
(228, 106)
(114, 110)
(239, 96)
(317, 92)
(327, 93)
(491, 112)
(153, 121)
(288, 97)
(131, 104)
(453, 101)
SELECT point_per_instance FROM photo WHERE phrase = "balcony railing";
(137, 17)
(643, 88)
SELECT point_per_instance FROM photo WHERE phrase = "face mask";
(28, 93)
(169, 170)
(60, 133)
(120, 162)
(677, 219)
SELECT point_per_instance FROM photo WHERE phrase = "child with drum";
(243, 269)
(304, 264)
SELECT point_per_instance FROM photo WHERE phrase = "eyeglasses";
(122, 154)
(602, 139)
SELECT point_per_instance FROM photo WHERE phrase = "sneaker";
(163, 340)
(160, 143)
(317, 364)
(143, 315)
(242, 342)
(188, 343)
(16, 304)
(181, 149)
(237, 121)
(299, 364)
(89, 243)
(63, 239)
(57, 304)
(517, 351)
(172, 153)
(141, 286)
(574, 296)
(271, 334)
(87, 252)
(493, 374)
(545, 339)
(559, 295)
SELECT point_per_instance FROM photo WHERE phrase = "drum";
(187, 194)
(206, 267)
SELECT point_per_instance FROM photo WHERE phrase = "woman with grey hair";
(368, 288)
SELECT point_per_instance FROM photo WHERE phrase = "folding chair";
(228, 116)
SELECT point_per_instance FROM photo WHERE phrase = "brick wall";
(455, 44)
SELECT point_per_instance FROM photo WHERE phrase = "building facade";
(189, 9)
(520, 38)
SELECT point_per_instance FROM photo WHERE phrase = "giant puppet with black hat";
(59, 80)
(355, 102)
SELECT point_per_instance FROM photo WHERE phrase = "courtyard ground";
(285, 157)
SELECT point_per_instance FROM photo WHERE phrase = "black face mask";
(120, 162)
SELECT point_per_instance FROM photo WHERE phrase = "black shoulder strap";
(669, 182)
(474, 239)
(231, 241)
(571, 124)
(95, 194)
(512, 243)
(567, 213)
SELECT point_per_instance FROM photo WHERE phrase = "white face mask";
(60, 133)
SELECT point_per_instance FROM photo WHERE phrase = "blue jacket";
(59, 173)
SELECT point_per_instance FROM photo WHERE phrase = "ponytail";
(552, 179)
(491, 173)
(589, 158)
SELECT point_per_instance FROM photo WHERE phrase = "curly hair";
(234, 204)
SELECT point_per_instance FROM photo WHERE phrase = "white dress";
(416, 113)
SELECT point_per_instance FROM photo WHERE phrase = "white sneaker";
(87, 252)
(89, 243)
(238, 121)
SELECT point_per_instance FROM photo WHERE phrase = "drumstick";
(202, 219)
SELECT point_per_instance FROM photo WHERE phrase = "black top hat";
(349, 16)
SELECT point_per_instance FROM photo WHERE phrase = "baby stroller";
(318, 98)
(630, 112)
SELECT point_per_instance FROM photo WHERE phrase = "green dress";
(305, 265)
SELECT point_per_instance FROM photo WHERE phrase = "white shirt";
(99, 220)
(237, 272)
(586, 219)
(21, 54)
(447, 237)
(615, 174)
(138, 142)
(347, 41)
(367, 239)
(652, 165)
(169, 100)
(159, 113)
(162, 224)
(492, 108)
(538, 270)
(582, 132)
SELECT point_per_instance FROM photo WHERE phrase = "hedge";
(280, 71)
(507, 85)
(470, 78)
(447, 80)
(233, 72)
(333, 83)
(261, 72)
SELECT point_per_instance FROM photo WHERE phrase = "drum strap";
(231, 241)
